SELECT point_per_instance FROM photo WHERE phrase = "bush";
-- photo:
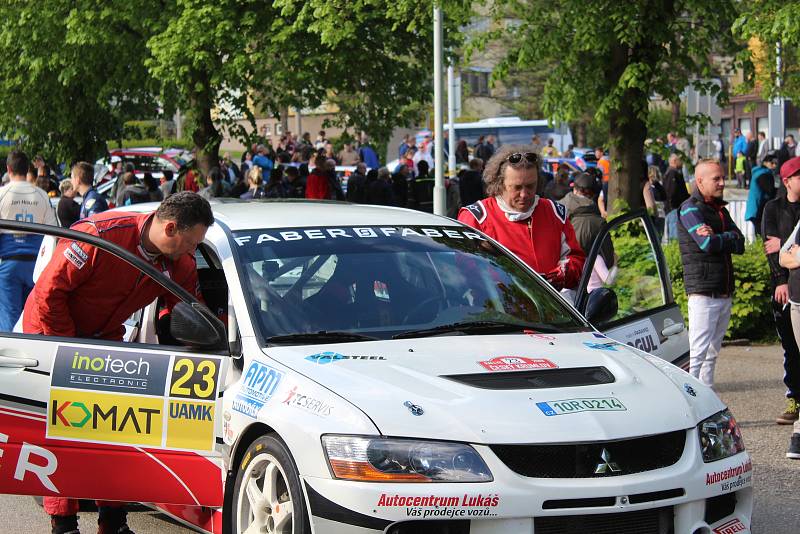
(751, 315)
(163, 143)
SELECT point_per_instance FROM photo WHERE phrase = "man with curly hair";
(536, 229)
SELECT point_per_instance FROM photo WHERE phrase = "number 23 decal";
(194, 378)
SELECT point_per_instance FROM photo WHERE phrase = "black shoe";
(113, 521)
(64, 524)
(794, 447)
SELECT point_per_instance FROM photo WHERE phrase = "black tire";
(268, 458)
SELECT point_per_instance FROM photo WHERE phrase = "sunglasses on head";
(516, 157)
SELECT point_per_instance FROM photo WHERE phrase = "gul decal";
(73, 258)
(435, 507)
(516, 363)
(110, 371)
(375, 232)
(733, 477)
(190, 425)
(731, 527)
(258, 385)
(569, 406)
(324, 358)
(105, 417)
(640, 334)
(307, 403)
(602, 346)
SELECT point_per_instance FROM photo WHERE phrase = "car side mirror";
(601, 306)
(194, 325)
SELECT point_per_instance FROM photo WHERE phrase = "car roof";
(300, 213)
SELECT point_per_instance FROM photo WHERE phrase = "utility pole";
(439, 194)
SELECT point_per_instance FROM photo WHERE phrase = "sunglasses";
(516, 157)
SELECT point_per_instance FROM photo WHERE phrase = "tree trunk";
(205, 136)
(676, 114)
(581, 134)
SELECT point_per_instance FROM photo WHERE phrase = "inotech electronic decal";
(133, 398)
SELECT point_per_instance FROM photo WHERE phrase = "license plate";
(568, 406)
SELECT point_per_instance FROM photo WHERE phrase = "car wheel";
(267, 498)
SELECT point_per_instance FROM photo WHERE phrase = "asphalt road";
(748, 380)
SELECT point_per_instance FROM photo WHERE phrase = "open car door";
(627, 258)
(90, 418)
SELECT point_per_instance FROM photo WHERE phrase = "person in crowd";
(318, 183)
(404, 145)
(348, 156)
(675, 189)
(167, 184)
(781, 216)
(247, 162)
(789, 258)
(558, 187)
(294, 186)
(762, 190)
(604, 164)
(153, 189)
(255, 184)
(535, 229)
(367, 154)
(462, 152)
(19, 201)
(536, 144)
(655, 197)
(400, 185)
(321, 140)
(584, 215)
(82, 176)
(550, 151)
(763, 148)
(262, 160)
(421, 189)
(337, 193)
(707, 237)
(213, 188)
(569, 152)
(739, 143)
(357, 185)
(134, 192)
(274, 187)
(84, 293)
(470, 183)
(330, 154)
(68, 210)
(750, 152)
(229, 169)
(379, 188)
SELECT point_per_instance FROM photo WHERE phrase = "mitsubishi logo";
(607, 465)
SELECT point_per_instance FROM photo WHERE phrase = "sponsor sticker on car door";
(133, 398)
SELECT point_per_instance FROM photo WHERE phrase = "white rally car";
(382, 370)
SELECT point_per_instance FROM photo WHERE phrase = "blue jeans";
(16, 282)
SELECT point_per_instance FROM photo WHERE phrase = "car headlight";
(403, 460)
(720, 436)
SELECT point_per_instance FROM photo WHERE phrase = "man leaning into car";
(535, 229)
(86, 293)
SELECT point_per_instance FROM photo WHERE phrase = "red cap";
(790, 167)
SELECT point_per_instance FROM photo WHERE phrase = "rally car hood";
(495, 389)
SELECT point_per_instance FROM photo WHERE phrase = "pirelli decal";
(133, 398)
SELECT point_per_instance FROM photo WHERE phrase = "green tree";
(72, 73)
(610, 57)
(771, 24)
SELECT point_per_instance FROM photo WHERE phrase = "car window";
(382, 281)
(627, 264)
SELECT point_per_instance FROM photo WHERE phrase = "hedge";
(751, 314)
(164, 143)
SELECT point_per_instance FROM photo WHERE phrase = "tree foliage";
(72, 73)
(608, 58)
(765, 24)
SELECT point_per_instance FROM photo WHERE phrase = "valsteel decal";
(132, 398)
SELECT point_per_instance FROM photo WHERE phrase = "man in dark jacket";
(675, 189)
(470, 183)
(707, 236)
(779, 219)
(584, 215)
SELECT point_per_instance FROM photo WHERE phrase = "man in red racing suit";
(535, 229)
(87, 293)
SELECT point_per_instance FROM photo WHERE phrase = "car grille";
(585, 460)
(655, 521)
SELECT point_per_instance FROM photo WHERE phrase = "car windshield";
(387, 281)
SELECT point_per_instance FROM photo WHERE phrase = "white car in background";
(379, 370)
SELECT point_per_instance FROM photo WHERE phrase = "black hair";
(187, 209)
(423, 167)
(18, 161)
(168, 175)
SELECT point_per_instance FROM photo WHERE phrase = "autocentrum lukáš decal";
(132, 398)
(731, 478)
(434, 506)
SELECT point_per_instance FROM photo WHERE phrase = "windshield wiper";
(322, 336)
(475, 327)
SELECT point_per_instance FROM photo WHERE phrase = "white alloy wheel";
(264, 503)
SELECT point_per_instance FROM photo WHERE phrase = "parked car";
(382, 370)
